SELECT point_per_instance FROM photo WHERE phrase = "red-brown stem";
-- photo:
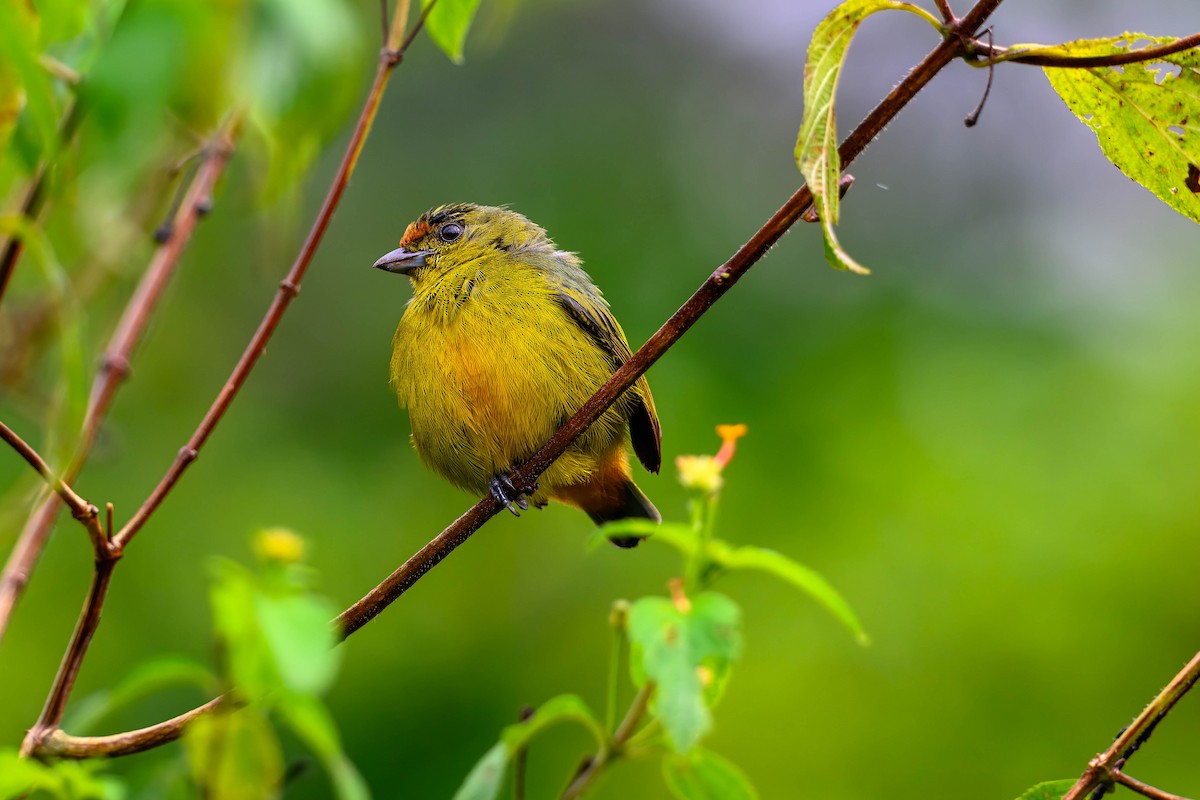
(81, 509)
(115, 367)
(717, 284)
(1087, 62)
(943, 7)
(1103, 767)
(64, 681)
(289, 287)
(1144, 789)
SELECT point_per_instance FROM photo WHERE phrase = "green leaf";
(300, 639)
(817, 145)
(21, 775)
(63, 19)
(800, 576)
(233, 597)
(1146, 119)
(704, 775)
(676, 534)
(20, 64)
(310, 720)
(669, 647)
(234, 756)
(1048, 790)
(447, 24)
(484, 780)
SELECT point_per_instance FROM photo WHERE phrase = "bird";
(504, 338)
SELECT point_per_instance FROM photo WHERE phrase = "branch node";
(391, 58)
(188, 454)
(117, 365)
(289, 287)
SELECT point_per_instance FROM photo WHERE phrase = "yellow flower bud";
(279, 544)
(699, 472)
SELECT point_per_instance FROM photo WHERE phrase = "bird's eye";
(450, 232)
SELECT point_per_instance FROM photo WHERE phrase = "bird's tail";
(609, 495)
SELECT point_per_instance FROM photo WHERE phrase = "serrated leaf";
(704, 775)
(670, 645)
(484, 780)
(310, 720)
(447, 24)
(234, 756)
(300, 639)
(1048, 790)
(1146, 118)
(817, 145)
(799, 576)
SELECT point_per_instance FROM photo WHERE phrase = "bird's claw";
(503, 489)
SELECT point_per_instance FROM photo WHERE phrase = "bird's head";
(448, 237)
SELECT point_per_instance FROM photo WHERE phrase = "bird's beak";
(402, 261)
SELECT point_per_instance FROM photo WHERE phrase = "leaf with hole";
(1146, 116)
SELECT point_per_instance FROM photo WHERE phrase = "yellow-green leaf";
(447, 24)
(1048, 790)
(1145, 116)
(817, 145)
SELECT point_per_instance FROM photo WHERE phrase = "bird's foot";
(503, 489)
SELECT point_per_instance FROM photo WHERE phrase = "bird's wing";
(598, 322)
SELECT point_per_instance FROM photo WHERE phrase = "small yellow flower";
(704, 472)
(699, 472)
(279, 544)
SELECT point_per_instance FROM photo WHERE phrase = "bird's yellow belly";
(485, 390)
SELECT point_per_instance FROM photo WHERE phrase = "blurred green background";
(989, 446)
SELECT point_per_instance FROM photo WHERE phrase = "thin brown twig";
(59, 744)
(996, 53)
(1144, 789)
(115, 366)
(943, 7)
(46, 728)
(81, 509)
(615, 746)
(1103, 767)
(713, 288)
(64, 681)
(289, 287)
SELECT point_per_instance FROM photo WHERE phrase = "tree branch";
(115, 366)
(997, 54)
(1103, 768)
(81, 509)
(461, 529)
(943, 7)
(1144, 789)
(289, 287)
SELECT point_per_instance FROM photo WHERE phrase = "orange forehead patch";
(414, 232)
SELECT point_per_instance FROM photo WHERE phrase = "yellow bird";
(506, 337)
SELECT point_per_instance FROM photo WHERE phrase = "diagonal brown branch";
(115, 367)
(1144, 789)
(81, 509)
(1103, 767)
(289, 287)
(719, 282)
